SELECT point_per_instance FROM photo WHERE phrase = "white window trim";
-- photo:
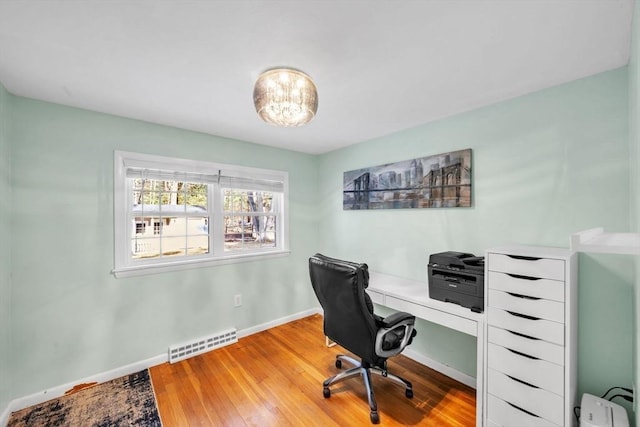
(125, 267)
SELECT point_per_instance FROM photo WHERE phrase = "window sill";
(142, 270)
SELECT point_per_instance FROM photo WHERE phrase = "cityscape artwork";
(439, 181)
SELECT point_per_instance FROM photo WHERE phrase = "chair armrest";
(401, 321)
(395, 318)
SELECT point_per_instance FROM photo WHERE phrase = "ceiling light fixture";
(285, 97)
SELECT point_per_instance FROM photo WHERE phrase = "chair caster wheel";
(338, 363)
(326, 392)
(375, 418)
(409, 393)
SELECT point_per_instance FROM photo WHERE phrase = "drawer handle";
(522, 382)
(524, 316)
(520, 276)
(523, 335)
(513, 294)
(523, 410)
(524, 258)
(522, 354)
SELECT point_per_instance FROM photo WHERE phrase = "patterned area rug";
(125, 401)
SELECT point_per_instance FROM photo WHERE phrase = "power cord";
(624, 396)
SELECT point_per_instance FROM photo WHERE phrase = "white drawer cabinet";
(534, 287)
(539, 308)
(506, 414)
(521, 324)
(530, 353)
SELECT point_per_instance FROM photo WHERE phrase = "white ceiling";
(380, 66)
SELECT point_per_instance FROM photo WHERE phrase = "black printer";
(457, 277)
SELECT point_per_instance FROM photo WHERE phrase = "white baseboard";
(277, 322)
(58, 391)
(440, 367)
(54, 392)
(4, 417)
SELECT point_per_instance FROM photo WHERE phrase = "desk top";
(416, 292)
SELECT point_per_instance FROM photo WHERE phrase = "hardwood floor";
(274, 378)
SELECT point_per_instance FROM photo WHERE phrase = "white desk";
(412, 296)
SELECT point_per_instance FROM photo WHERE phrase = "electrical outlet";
(237, 300)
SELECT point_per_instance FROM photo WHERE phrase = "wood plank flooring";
(274, 378)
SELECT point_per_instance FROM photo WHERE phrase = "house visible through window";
(157, 225)
(140, 227)
(175, 212)
(181, 205)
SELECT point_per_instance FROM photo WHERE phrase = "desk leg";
(480, 375)
(328, 342)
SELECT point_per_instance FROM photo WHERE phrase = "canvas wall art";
(439, 181)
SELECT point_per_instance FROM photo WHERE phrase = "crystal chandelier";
(285, 97)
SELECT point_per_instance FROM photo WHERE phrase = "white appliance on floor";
(597, 412)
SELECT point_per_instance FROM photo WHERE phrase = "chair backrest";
(340, 288)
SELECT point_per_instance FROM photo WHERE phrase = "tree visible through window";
(248, 220)
(170, 212)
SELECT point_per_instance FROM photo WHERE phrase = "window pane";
(193, 194)
(265, 227)
(197, 235)
(247, 201)
(145, 248)
(235, 201)
(173, 246)
(169, 219)
(197, 245)
(249, 232)
(236, 230)
(173, 226)
(169, 236)
(198, 226)
(267, 202)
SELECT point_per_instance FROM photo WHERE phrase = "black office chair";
(350, 322)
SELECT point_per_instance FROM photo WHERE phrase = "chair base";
(365, 370)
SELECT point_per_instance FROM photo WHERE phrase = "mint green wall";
(72, 318)
(5, 251)
(545, 165)
(634, 144)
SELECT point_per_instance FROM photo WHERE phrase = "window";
(176, 213)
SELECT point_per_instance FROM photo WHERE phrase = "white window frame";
(125, 265)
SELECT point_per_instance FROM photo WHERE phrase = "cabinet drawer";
(523, 285)
(537, 328)
(532, 346)
(530, 306)
(537, 372)
(544, 268)
(376, 297)
(537, 401)
(501, 413)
